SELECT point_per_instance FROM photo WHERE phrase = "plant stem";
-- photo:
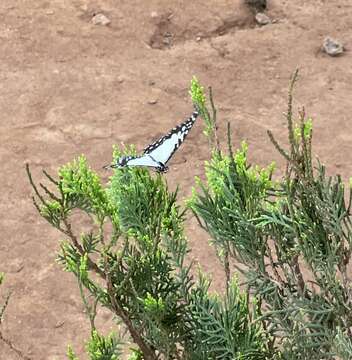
(92, 265)
(148, 353)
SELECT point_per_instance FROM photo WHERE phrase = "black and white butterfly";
(157, 154)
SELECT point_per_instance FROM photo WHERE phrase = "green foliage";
(145, 207)
(100, 347)
(226, 329)
(135, 355)
(197, 93)
(343, 344)
(199, 100)
(82, 189)
(103, 348)
(137, 268)
(71, 355)
(4, 305)
(234, 194)
(78, 188)
(292, 237)
(6, 300)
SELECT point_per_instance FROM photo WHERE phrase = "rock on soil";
(100, 19)
(332, 47)
(262, 19)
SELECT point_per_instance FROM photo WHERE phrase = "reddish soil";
(69, 87)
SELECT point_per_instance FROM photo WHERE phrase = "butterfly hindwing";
(162, 149)
(142, 161)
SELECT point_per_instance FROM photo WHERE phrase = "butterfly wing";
(162, 149)
(144, 160)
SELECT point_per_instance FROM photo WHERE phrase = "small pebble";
(198, 38)
(166, 40)
(100, 19)
(262, 19)
(154, 14)
(332, 46)
(152, 101)
(120, 79)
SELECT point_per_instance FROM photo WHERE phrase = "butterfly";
(157, 154)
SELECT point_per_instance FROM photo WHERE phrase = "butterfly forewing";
(162, 149)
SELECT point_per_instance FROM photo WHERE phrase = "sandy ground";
(69, 87)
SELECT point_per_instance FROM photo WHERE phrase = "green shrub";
(132, 261)
(290, 239)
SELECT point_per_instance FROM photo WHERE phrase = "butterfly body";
(157, 154)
